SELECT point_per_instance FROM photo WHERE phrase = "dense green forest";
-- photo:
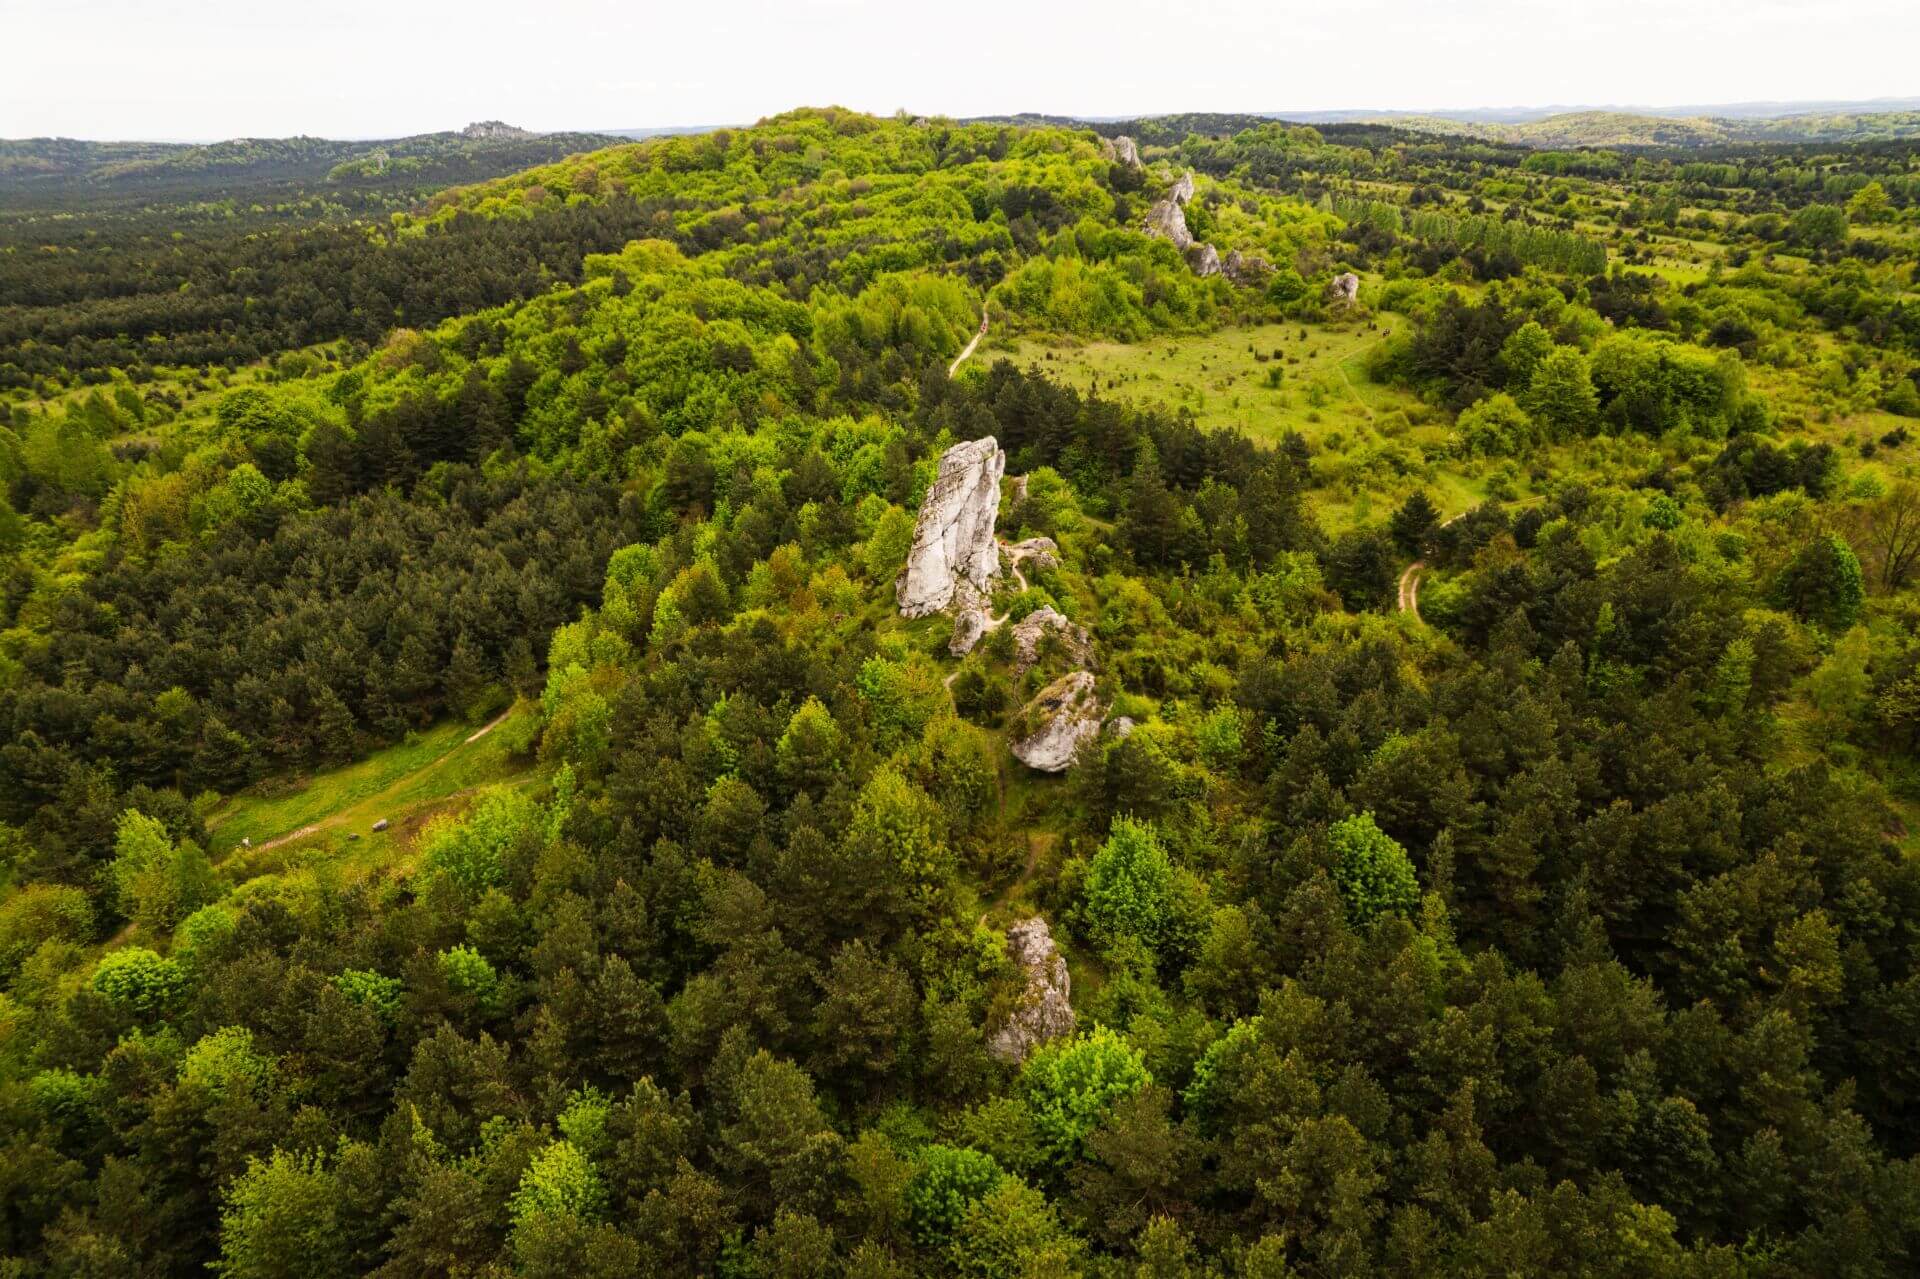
(1476, 583)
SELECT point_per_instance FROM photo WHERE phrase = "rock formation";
(1035, 552)
(1043, 1012)
(1168, 220)
(1344, 290)
(971, 619)
(1030, 631)
(953, 538)
(1204, 259)
(1125, 152)
(1119, 726)
(1246, 268)
(1061, 716)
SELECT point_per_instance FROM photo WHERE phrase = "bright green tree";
(1371, 870)
(281, 1220)
(1070, 1085)
(1128, 884)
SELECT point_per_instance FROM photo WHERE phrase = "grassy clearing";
(1373, 444)
(406, 783)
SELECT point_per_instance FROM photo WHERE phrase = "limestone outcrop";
(1043, 1012)
(1035, 552)
(1060, 717)
(1032, 630)
(1246, 268)
(1168, 220)
(953, 538)
(972, 619)
(1120, 726)
(1344, 290)
(1204, 259)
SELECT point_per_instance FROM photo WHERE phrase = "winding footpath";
(1410, 582)
(978, 334)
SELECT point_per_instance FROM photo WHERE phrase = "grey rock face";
(1066, 713)
(953, 538)
(1183, 189)
(1344, 289)
(971, 620)
(1204, 259)
(1167, 220)
(1043, 1012)
(1126, 152)
(1119, 726)
(1031, 630)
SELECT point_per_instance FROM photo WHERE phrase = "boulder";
(953, 538)
(1038, 552)
(380, 825)
(1043, 1012)
(971, 620)
(1119, 726)
(1204, 259)
(1031, 630)
(1061, 716)
(1344, 289)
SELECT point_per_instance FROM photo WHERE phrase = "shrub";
(1128, 884)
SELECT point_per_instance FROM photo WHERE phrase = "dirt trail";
(329, 822)
(993, 623)
(978, 334)
(1410, 582)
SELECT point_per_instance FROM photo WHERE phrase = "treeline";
(1568, 252)
(289, 639)
(234, 299)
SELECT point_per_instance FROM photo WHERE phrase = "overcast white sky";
(205, 69)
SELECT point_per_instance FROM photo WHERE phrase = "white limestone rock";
(1344, 290)
(953, 537)
(1204, 259)
(971, 620)
(1246, 268)
(1030, 631)
(1168, 220)
(1043, 1012)
(1120, 726)
(1060, 717)
(1126, 152)
(1037, 553)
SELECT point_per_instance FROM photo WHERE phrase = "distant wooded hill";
(478, 152)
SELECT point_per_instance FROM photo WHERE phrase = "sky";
(210, 69)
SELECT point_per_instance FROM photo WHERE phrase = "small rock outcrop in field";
(1344, 289)
(1032, 630)
(1061, 716)
(953, 538)
(1043, 1012)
